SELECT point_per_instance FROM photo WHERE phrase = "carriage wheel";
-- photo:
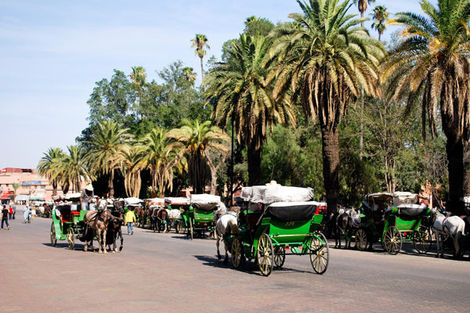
(361, 239)
(392, 240)
(279, 256)
(179, 227)
(53, 235)
(319, 253)
(237, 253)
(70, 238)
(265, 255)
(422, 240)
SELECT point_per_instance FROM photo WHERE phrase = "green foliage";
(293, 158)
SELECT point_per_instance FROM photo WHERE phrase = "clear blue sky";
(53, 52)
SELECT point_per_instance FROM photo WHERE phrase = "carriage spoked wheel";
(53, 237)
(265, 254)
(238, 257)
(179, 227)
(392, 240)
(279, 256)
(70, 238)
(422, 240)
(319, 253)
(361, 239)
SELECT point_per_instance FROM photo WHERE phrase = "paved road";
(168, 273)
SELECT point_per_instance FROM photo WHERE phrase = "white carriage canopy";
(276, 193)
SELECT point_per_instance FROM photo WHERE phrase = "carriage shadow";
(77, 248)
(407, 249)
(248, 268)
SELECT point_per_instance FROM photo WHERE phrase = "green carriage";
(393, 219)
(271, 230)
(198, 217)
(67, 223)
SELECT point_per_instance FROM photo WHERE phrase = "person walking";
(10, 212)
(5, 217)
(130, 219)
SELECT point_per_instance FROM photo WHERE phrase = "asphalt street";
(169, 273)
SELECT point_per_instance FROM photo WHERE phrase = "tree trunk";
(454, 150)
(202, 71)
(111, 184)
(330, 149)
(254, 166)
(54, 188)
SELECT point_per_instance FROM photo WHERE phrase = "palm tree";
(47, 166)
(380, 16)
(73, 167)
(362, 7)
(194, 140)
(189, 74)
(242, 93)
(159, 159)
(131, 168)
(106, 149)
(200, 43)
(326, 59)
(138, 80)
(431, 65)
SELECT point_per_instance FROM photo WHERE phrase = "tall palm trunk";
(455, 150)
(254, 165)
(111, 184)
(330, 149)
(202, 70)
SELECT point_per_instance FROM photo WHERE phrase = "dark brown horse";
(114, 232)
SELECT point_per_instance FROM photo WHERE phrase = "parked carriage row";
(396, 218)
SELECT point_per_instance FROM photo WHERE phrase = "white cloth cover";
(276, 193)
(205, 198)
(177, 200)
(132, 201)
(403, 197)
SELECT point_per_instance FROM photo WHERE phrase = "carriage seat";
(412, 209)
(205, 207)
(292, 211)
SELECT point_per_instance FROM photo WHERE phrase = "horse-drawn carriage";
(174, 207)
(275, 221)
(394, 219)
(70, 222)
(198, 217)
(67, 223)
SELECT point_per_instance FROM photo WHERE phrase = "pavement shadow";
(248, 267)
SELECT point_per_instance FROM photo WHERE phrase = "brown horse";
(96, 223)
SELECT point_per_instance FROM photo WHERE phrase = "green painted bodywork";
(62, 228)
(296, 236)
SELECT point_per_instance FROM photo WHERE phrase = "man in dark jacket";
(5, 217)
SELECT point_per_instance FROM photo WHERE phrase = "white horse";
(226, 224)
(444, 227)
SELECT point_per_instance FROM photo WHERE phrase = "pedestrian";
(5, 217)
(10, 212)
(14, 210)
(129, 219)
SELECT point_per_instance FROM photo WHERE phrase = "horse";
(113, 231)
(445, 227)
(226, 223)
(96, 222)
(347, 222)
